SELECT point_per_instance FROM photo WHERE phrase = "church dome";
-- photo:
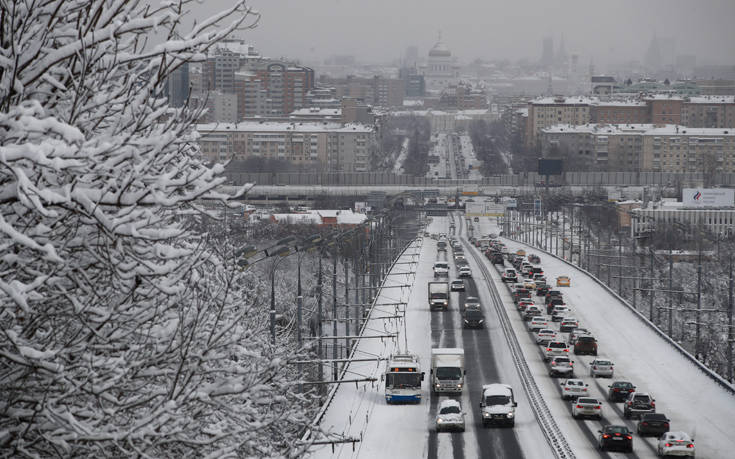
(440, 50)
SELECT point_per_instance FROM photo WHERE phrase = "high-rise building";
(178, 86)
(411, 57)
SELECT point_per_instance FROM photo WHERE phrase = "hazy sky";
(380, 30)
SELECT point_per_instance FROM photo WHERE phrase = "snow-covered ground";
(468, 151)
(439, 170)
(693, 401)
(398, 166)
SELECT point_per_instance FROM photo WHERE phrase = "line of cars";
(526, 280)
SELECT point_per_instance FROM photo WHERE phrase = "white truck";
(439, 295)
(447, 370)
(497, 405)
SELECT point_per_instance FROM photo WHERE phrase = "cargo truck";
(447, 370)
(439, 295)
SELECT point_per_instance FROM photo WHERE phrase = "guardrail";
(707, 371)
(551, 430)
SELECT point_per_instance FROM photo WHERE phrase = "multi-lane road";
(505, 352)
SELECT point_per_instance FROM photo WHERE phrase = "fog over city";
(380, 30)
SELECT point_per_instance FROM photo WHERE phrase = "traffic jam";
(563, 341)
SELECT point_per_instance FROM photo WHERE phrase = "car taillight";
(566, 350)
(629, 437)
(617, 434)
(584, 389)
(666, 424)
(594, 367)
(598, 407)
(566, 388)
(668, 445)
(548, 349)
(571, 363)
(690, 445)
(653, 403)
(644, 423)
(615, 389)
(579, 406)
(608, 436)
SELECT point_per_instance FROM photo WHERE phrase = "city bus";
(403, 378)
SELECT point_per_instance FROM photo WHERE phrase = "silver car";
(602, 367)
(573, 388)
(585, 406)
(450, 416)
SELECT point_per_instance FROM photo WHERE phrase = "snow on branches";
(122, 334)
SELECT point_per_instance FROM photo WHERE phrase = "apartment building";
(641, 147)
(619, 112)
(709, 112)
(379, 91)
(325, 146)
(550, 111)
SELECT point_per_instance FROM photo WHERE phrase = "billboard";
(708, 197)
(550, 166)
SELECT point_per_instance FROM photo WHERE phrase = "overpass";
(306, 186)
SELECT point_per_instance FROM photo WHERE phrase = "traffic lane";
(590, 428)
(493, 442)
(527, 429)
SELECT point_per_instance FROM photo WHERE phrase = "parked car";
(613, 437)
(567, 324)
(619, 390)
(561, 366)
(638, 403)
(545, 335)
(457, 285)
(563, 281)
(573, 388)
(555, 348)
(450, 416)
(602, 367)
(675, 443)
(585, 344)
(587, 407)
(537, 323)
(653, 425)
(559, 312)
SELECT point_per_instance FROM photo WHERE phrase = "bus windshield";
(403, 380)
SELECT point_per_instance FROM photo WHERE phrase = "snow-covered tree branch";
(121, 332)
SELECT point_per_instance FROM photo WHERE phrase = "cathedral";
(441, 70)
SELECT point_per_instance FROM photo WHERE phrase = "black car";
(541, 290)
(619, 390)
(555, 300)
(615, 438)
(552, 294)
(498, 259)
(473, 318)
(653, 424)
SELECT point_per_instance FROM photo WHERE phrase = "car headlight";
(480, 321)
(510, 415)
(439, 421)
(485, 414)
(438, 386)
(459, 386)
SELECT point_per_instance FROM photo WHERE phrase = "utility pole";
(620, 264)
(697, 342)
(653, 285)
(299, 309)
(334, 313)
(729, 323)
(320, 319)
(671, 280)
(563, 232)
(347, 306)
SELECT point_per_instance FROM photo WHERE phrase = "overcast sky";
(380, 30)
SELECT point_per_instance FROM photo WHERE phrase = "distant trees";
(419, 131)
(488, 139)
(124, 332)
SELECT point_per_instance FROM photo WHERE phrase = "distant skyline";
(380, 30)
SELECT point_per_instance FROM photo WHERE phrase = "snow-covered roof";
(672, 129)
(643, 129)
(620, 103)
(662, 97)
(576, 100)
(276, 126)
(317, 111)
(712, 100)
